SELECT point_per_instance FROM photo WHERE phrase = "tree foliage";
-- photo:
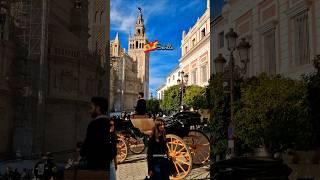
(153, 106)
(171, 99)
(218, 103)
(313, 101)
(195, 97)
(272, 111)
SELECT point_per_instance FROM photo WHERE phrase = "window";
(101, 17)
(221, 39)
(301, 39)
(186, 49)
(194, 77)
(137, 45)
(204, 73)
(203, 32)
(168, 80)
(96, 16)
(270, 52)
(172, 77)
(193, 42)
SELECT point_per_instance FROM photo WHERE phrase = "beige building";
(195, 48)
(284, 34)
(195, 55)
(125, 82)
(130, 71)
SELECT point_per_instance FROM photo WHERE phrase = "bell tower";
(135, 50)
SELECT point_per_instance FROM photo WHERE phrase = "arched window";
(101, 14)
(137, 45)
(95, 16)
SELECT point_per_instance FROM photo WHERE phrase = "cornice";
(298, 8)
(267, 26)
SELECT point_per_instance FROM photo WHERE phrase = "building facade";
(284, 35)
(135, 50)
(48, 85)
(195, 55)
(125, 80)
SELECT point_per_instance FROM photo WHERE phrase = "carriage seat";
(143, 122)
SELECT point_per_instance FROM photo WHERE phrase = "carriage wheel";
(181, 156)
(199, 146)
(122, 149)
(136, 145)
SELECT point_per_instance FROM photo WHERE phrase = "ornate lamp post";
(243, 49)
(182, 83)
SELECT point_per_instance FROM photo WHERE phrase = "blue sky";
(164, 21)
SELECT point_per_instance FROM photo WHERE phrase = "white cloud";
(123, 14)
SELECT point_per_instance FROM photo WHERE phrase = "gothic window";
(301, 38)
(270, 52)
(96, 16)
(101, 14)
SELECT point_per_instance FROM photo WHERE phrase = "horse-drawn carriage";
(185, 143)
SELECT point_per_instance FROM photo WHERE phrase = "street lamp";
(243, 49)
(231, 37)
(219, 61)
(182, 83)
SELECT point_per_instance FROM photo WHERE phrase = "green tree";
(218, 103)
(153, 105)
(195, 97)
(171, 99)
(273, 112)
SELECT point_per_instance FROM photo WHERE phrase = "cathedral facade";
(129, 72)
(45, 105)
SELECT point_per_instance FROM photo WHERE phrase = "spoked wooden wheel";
(180, 154)
(136, 145)
(199, 146)
(122, 149)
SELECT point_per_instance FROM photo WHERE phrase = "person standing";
(113, 142)
(96, 149)
(141, 107)
(157, 153)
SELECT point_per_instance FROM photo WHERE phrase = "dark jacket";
(96, 147)
(155, 147)
(141, 107)
(113, 141)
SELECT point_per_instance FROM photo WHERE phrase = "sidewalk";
(135, 168)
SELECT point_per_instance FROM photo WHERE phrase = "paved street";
(135, 168)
